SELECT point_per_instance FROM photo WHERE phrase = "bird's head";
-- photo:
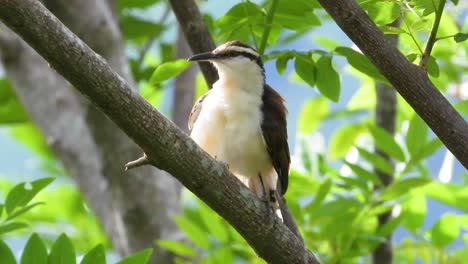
(234, 59)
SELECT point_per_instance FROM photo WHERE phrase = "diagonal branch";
(411, 81)
(171, 150)
(196, 33)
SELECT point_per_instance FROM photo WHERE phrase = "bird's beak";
(207, 56)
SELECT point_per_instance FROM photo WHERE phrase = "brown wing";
(275, 134)
(196, 111)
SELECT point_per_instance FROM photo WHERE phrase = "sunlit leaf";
(311, 114)
(193, 232)
(6, 255)
(11, 226)
(168, 70)
(21, 194)
(122, 4)
(328, 80)
(62, 251)
(414, 211)
(305, 68)
(322, 193)
(213, 223)
(445, 230)
(377, 161)
(97, 255)
(177, 247)
(417, 136)
(400, 187)
(387, 143)
(140, 257)
(360, 62)
(365, 174)
(23, 210)
(431, 147)
(35, 251)
(344, 138)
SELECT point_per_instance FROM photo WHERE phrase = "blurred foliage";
(332, 187)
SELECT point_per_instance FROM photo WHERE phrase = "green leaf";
(97, 255)
(296, 15)
(168, 70)
(322, 193)
(412, 57)
(433, 67)
(416, 136)
(35, 251)
(360, 62)
(241, 21)
(177, 247)
(23, 210)
(431, 147)
(213, 223)
(365, 174)
(30, 135)
(460, 37)
(9, 227)
(305, 68)
(328, 80)
(21, 194)
(414, 211)
(11, 109)
(122, 4)
(137, 29)
(311, 114)
(387, 143)
(282, 61)
(377, 161)
(1, 209)
(193, 232)
(445, 230)
(343, 139)
(6, 255)
(402, 187)
(140, 257)
(62, 251)
(386, 29)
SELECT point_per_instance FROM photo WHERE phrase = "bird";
(241, 121)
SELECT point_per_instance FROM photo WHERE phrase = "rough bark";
(134, 209)
(385, 117)
(196, 33)
(410, 81)
(171, 150)
(184, 90)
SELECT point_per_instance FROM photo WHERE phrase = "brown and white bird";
(242, 121)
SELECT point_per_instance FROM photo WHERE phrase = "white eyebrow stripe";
(240, 49)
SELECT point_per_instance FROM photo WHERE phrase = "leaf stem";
(433, 37)
(268, 24)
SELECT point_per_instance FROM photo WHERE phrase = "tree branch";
(268, 25)
(385, 117)
(196, 33)
(433, 36)
(408, 79)
(172, 149)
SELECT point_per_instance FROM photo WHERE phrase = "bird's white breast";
(229, 128)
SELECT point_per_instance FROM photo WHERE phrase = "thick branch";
(172, 150)
(409, 80)
(196, 33)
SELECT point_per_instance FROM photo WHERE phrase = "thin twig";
(433, 37)
(137, 163)
(268, 25)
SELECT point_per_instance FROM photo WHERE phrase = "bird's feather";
(275, 134)
(196, 111)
